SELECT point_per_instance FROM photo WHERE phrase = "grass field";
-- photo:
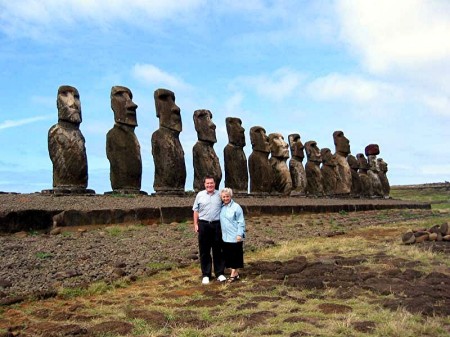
(174, 303)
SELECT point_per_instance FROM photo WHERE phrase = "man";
(206, 209)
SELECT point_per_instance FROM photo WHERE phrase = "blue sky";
(378, 70)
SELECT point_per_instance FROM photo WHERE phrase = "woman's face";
(226, 198)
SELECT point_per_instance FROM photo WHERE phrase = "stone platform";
(25, 212)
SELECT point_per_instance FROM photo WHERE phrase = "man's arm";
(195, 216)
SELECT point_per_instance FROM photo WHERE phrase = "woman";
(233, 233)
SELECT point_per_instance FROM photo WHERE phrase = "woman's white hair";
(228, 191)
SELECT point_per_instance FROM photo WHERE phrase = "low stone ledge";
(46, 212)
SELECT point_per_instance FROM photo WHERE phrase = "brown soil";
(80, 258)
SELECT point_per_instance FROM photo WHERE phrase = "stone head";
(166, 110)
(313, 151)
(123, 106)
(296, 146)
(327, 157)
(278, 147)
(352, 162)
(68, 104)
(236, 133)
(363, 164)
(259, 139)
(206, 129)
(382, 165)
(372, 160)
(342, 144)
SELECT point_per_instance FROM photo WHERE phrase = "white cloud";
(277, 86)
(152, 75)
(439, 104)
(351, 88)
(27, 17)
(396, 34)
(15, 123)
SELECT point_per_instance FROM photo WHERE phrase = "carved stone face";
(296, 146)
(278, 147)
(341, 143)
(259, 139)
(166, 110)
(206, 129)
(123, 106)
(372, 159)
(352, 162)
(313, 151)
(236, 135)
(327, 157)
(382, 165)
(68, 104)
(363, 165)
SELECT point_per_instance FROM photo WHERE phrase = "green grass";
(438, 198)
(43, 255)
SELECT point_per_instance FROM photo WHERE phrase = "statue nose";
(175, 109)
(131, 105)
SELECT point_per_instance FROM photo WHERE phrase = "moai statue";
(168, 154)
(122, 146)
(258, 162)
(342, 145)
(66, 146)
(382, 174)
(356, 179)
(279, 154)
(236, 172)
(372, 150)
(296, 169)
(205, 159)
(366, 182)
(329, 172)
(314, 184)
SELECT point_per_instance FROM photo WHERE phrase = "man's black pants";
(210, 238)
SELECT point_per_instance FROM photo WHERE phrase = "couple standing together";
(220, 224)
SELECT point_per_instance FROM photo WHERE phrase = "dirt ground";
(27, 310)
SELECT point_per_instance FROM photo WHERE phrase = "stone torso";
(124, 155)
(298, 175)
(356, 184)
(314, 184)
(329, 179)
(344, 181)
(168, 157)
(236, 172)
(68, 154)
(206, 162)
(260, 172)
(281, 178)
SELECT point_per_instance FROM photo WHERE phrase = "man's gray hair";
(228, 191)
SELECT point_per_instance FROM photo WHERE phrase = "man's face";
(68, 104)
(167, 111)
(206, 129)
(236, 133)
(278, 147)
(123, 106)
(210, 185)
